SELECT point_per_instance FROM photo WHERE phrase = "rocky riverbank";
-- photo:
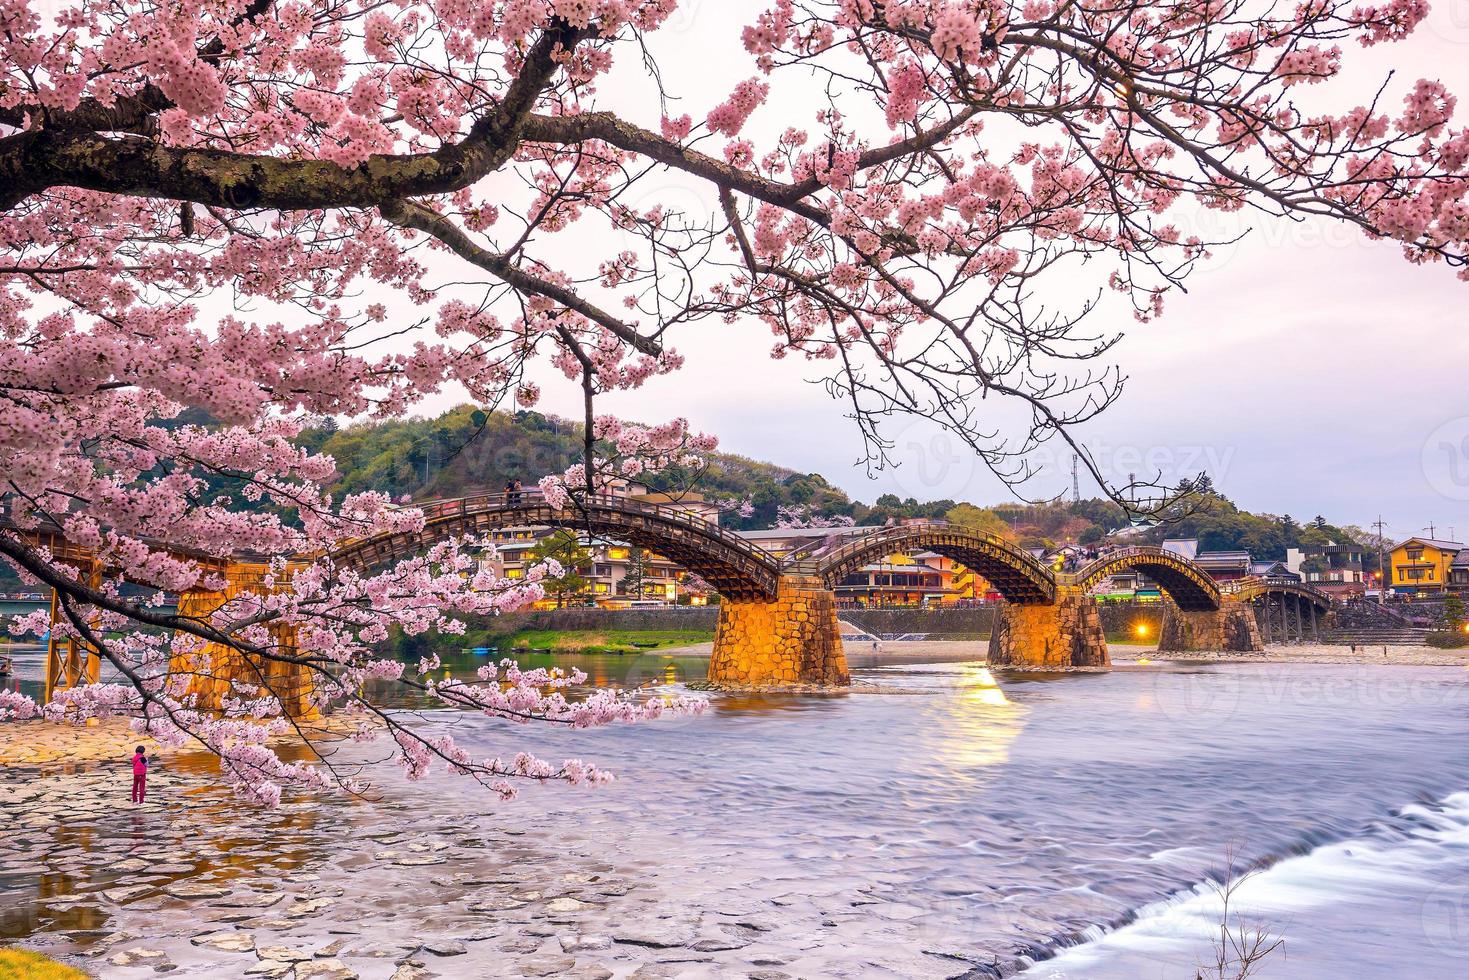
(197, 883)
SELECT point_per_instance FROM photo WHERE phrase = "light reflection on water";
(988, 816)
(1019, 810)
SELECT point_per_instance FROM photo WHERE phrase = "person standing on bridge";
(140, 774)
(515, 493)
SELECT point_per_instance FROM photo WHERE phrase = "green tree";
(981, 518)
(1289, 531)
(1453, 612)
(565, 548)
(633, 580)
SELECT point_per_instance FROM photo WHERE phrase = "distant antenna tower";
(1075, 483)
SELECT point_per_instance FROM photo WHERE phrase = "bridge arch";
(737, 569)
(1253, 588)
(1014, 573)
(1188, 585)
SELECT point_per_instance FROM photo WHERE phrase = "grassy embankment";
(22, 964)
(573, 641)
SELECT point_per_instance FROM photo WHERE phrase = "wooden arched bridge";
(778, 621)
(1183, 581)
(1014, 573)
(738, 569)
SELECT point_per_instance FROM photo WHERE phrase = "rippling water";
(1005, 822)
(974, 824)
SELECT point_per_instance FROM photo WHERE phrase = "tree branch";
(408, 214)
(36, 160)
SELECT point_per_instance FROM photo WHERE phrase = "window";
(1415, 554)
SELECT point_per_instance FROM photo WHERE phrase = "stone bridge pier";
(217, 672)
(1059, 636)
(1230, 627)
(793, 639)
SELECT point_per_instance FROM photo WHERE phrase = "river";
(964, 824)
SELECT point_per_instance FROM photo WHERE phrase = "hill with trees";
(466, 451)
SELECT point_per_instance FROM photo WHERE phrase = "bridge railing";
(1119, 554)
(437, 510)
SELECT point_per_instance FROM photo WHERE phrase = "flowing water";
(968, 823)
(1070, 820)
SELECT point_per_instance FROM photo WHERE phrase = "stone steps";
(1377, 636)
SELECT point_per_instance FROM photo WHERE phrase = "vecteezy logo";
(1446, 459)
(1450, 20)
(1445, 918)
(1197, 698)
(932, 463)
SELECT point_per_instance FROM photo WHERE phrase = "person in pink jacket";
(140, 774)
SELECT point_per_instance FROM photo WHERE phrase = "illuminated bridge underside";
(738, 570)
(1012, 572)
(1189, 586)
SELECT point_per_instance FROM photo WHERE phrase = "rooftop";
(1222, 557)
(1438, 543)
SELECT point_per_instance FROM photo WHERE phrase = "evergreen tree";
(633, 580)
(1453, 612)
(565, 548)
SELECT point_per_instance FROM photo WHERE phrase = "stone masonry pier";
(1230, 627)
(217, 672)
(1062, 636)
(789, 641)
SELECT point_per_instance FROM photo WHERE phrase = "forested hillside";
(457, 454)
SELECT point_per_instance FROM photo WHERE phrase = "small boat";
(644, 644)
(5, 667)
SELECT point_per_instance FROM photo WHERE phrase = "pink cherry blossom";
(223, 224)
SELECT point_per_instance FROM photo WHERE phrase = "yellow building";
(1421, 565)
